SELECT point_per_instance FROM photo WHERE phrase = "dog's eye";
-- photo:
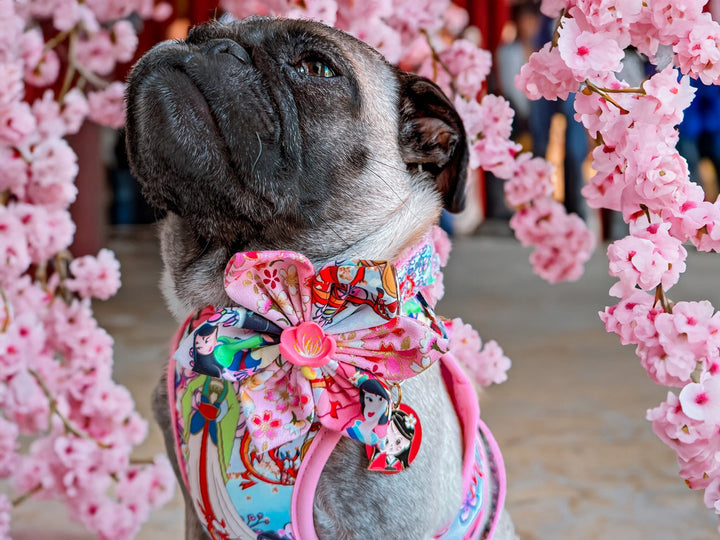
(315, 68)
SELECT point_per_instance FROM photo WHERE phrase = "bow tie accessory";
(308, 346)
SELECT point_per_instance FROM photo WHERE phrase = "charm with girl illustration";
(402, 442)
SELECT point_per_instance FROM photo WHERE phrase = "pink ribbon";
(310, 346)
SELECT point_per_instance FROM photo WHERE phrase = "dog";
(269, 134)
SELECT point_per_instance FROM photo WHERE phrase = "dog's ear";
(432, 136)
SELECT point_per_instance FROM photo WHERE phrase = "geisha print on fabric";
(306, 353)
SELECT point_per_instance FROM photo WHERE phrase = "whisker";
(387, 165)
(259, 152)
(403, 202)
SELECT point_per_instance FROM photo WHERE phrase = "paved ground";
(582, 461)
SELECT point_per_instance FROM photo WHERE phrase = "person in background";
(700, 130)
(576, 145)
(510, 57)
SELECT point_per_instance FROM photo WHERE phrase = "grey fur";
(245, 155)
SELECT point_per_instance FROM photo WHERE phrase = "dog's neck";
(193, 271)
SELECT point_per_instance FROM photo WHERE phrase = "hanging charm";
(404, 434)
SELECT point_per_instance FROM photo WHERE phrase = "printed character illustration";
(401, 445)
(278, 466)
(365, 283)
(375, 408)
(211, 413)
(213, 353)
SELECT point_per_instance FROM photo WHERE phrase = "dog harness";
(261, 393)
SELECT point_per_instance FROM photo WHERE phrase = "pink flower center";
(701, 399)
(583, 50)
(307, 345)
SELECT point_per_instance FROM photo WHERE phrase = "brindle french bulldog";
(269, 134)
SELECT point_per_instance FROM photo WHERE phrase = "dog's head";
(284, 134)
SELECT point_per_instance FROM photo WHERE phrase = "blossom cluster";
(639, 172)
(56, 386)
(485, 363)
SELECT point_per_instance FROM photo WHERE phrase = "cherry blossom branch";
(639, 91)
(58, 39)
(71, 67)
(54, 410)
(593, 88)
(438, 61)
(6, 309)
(17, 501)
(141, 461)
(556, 28)
(662, 299)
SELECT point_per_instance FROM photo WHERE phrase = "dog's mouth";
(196, 102)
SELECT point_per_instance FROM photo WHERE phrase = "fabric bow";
(310, 346)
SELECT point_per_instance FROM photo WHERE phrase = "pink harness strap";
(466, 407)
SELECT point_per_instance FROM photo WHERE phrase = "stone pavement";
(582, 460)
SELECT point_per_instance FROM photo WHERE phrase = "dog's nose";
(226, 46)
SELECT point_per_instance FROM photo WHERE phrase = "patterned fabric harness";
(260, 394)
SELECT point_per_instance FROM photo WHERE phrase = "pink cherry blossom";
(25, 404)
(469, 65)
(245, 8)
(532, 179)
(649, 259)
(455, 19)
(411, 16)
(701, 401)
(48, 231)
(5, 509)
(673, 426)
(66, 14)
(31, 46)
(162, 11)
(107, 107)
(546, 75)
(14, 255)
(380, 35)
(610, 15)
(43, 338)
(319, 10)
(74, 110)
(698, 51)
(712, 495)
(587, 54)
(605, 188)
(632, 318)
(124, 40)
(45, 72)
(8, 448)
(53, 168)
(96, 277)
(674, 18)
(14, 172)
(668, 96)
(97, 53)
(552, 8)
(485, 364)
(11, 83)
(491, 364)
(47, 116)
(17, 123)
(463, 336)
